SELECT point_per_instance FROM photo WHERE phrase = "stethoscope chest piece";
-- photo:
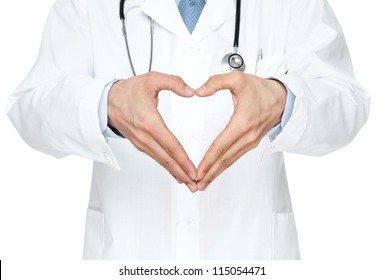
(233, 62)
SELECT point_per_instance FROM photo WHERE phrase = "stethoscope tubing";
(237, 25)
(122, 18)
(228, 63)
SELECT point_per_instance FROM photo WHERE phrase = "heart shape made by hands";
(258, 107)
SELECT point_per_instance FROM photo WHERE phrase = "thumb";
(163, 81)
(217, 83)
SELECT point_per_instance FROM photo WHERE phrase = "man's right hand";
(132, 110)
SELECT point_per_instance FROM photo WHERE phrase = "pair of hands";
(258, 107)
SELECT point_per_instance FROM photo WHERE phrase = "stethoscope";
(230, 62)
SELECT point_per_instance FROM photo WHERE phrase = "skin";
(258, 107)
(132, 110)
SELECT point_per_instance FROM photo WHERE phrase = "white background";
(338, 198)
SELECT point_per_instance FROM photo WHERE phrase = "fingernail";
(192, 187)
(189, 90)
(202, 186)
(201, 90)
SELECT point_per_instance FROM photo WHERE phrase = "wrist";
(113, 105)
(279, 94)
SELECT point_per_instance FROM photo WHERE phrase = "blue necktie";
(190, 11)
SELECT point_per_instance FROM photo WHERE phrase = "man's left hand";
(258, 107)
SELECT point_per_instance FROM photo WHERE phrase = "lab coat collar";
(214, 14)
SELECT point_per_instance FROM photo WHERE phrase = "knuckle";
(177, 78)
(183, 179)
(139, 146)
(173, 149)
(143, 124)
(151, 76)
(178, 82)
(245, 126)
(225, 162)
(238, 76)
(212, 79)
(167, 163)
(149, 123)
(214, 82)
(253, 136)
(220, 150)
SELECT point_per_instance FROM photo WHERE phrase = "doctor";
(224, 140)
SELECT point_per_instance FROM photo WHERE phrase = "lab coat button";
(189, 223)
(191, 135)
(108, 159)
(193, 50)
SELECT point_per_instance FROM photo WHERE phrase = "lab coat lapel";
(214, 14)
(166, 13)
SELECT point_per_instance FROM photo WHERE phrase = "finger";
(221, 144)
(173, 147)
(148, 145)
(238, 149)
(157, 129)
(163, 81)
(230, 81)
(162, 157)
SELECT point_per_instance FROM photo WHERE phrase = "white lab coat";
(136, 209)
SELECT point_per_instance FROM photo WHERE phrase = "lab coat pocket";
(265, 67)
(270, 66)
(94, 235)
(285, 240)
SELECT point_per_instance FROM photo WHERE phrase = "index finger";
(161, 133)
(219, 147)
(229, 81)
(162, 81)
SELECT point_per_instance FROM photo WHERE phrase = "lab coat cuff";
(289, 107)
(103, 112)
(90, 121)
(295, 116)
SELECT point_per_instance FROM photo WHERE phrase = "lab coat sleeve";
(330, 106)
(55, 109)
